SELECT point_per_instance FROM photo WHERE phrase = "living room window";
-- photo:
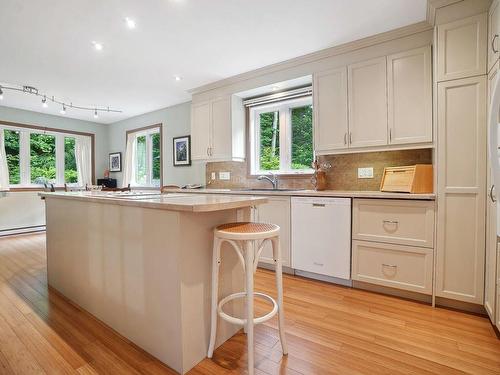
(145, 158)
(281, 137)
(37, 157)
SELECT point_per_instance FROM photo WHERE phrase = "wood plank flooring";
(330, 330)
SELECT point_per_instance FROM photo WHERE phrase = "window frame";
(147, 131)
(25, 131)
(284, 109)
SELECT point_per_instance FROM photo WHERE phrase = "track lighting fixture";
(30, 90)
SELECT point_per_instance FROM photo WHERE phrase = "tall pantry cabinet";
(461, 79)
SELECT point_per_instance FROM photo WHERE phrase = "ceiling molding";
(434, 5)
(322, 54)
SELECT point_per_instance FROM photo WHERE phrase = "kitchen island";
(142, 265)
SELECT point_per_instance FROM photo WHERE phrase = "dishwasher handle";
(319, 205)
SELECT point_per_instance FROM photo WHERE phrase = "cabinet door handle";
(395, 222)
(318, 264)
(493, 44)
(319, 205)
(492, 197)
(390, 135)
(345, 138)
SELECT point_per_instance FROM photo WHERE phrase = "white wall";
(176, 122)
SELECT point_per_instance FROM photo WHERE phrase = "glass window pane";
(12, 139)
(42, 158)
(269, 141)
(70, 173)
(302, 137)
(156, 155)
(141, 161)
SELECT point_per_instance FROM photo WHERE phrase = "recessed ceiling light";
(178, 78)
(130, 23)
(97, 45)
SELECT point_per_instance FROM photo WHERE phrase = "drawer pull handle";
(389, 265)
(395, 222)
(319, 205)
(318, 264)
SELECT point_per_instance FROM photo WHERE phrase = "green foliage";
(155, 141)
(12, 151)
(42, 158)
(269, 160)
(302, 141)
(70, 172)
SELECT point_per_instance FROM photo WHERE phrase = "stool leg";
(215, 297)
(249, 259)
(279, 287)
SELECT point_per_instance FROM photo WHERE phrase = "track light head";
(63, 110)
(95, 114)
(44, 102)
(1, 93)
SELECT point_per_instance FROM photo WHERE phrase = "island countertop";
(173, 202)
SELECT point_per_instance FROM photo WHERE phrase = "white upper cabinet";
(217, 129)
(330, 110)
(367, 89)
(409, 84)
(493, 34)
(462, 48)
(200, 130)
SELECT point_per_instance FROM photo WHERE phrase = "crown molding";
(318, 55)
(434, 5)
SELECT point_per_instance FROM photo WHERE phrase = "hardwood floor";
(330, 330)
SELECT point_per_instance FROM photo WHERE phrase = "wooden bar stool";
(243, 236)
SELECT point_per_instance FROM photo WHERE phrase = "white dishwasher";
(321, 236)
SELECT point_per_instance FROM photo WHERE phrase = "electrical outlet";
(224, 176)
(365, 172)
(213, 176)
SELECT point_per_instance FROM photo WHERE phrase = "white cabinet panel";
(221, 135)
(401, 267)
(330, 110)
(200, 130)
(462, 48)
(409, 84)
(367, 89)
(276, 211)
(461, 189)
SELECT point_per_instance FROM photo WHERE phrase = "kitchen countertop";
(174, 201)
(312, 193)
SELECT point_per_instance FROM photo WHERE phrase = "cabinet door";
(461, 189)
(367, 89)
(330, 110)
(409, 84)
(221, 136)
(491, 228)
(200, 131)
(462, 48)
(493, 25)
(276, 211)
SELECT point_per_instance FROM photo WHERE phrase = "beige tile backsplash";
(342, 176)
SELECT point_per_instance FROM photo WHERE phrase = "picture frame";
(115, 162)
(182, 151)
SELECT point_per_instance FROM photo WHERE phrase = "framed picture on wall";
(115, 162)
(182, 151)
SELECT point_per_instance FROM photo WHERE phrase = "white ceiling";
(47, 44)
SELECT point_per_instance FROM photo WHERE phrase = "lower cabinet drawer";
(396, 266)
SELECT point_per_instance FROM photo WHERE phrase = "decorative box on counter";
(410, 179)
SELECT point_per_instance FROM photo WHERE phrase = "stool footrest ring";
(243, 322)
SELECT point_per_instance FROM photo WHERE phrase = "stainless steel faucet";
(273, 180)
